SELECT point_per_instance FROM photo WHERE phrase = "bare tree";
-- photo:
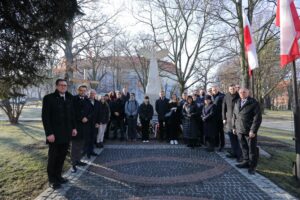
(185, 28)
(81, 32)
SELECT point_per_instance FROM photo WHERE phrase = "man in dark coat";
(246, 122)
(227, 112)
(162, 108)
(118, 116)
(90, 138)
(218, 100)
(84, 117)
(145, 113)
(59, 124)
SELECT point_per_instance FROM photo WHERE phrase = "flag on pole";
(288, 20)
(249, 45)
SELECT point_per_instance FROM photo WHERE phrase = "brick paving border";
(59, 194)
(262, 182)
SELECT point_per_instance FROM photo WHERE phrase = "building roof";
(125, 62)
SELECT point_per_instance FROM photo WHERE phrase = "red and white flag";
(249, 45)
(288, 20)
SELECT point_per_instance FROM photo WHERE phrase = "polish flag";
(288, 20)
(249, 45)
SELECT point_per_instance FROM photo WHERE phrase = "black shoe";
(220, 149)
(94, 154)
(54, 186)
(239, 160)
(74, 169)
(230, 156)
(79, 163)
(251, 171)
(210, 149)
(62, 180)
(101, 145)
(230, 152)
(242, 165)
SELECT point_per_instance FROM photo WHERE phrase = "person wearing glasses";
(59, 125)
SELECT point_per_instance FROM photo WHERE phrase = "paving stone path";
(163, 172)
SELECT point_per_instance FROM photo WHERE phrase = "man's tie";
(243, 102)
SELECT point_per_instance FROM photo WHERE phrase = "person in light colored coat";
(131, 111)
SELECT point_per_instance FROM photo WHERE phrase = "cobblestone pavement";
(164, 172)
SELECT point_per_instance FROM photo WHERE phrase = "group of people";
(85, 121)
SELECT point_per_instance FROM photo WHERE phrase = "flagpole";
(252, 85)
(296, 119)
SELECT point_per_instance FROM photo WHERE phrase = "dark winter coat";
(103, 113)
(125, 97)
(174, 119)
(209, 118)
(146, 111)
(218, 101)
(189, 122)
(95, 111)
(248, 117)
(118, 106)
(83, 108)
(161, 107)
(227, 109)
(58, 117)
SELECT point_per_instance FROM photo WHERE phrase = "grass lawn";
(279, 167)
(23, 159)
(28, 112)
(271, 114)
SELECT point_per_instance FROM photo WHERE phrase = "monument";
(154, 83)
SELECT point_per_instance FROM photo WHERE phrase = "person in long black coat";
(118, 116)
(209, 117)
(247, 119)
(162, 108)
(59, 125)
(173, 120)
(84, 117)
(189, 123)
(227, 113)
(90, 138)
(145, 114)
(218, 100)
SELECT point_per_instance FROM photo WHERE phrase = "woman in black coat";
(103, 117)
(190, 127)
(210, 120)
(173, 119)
